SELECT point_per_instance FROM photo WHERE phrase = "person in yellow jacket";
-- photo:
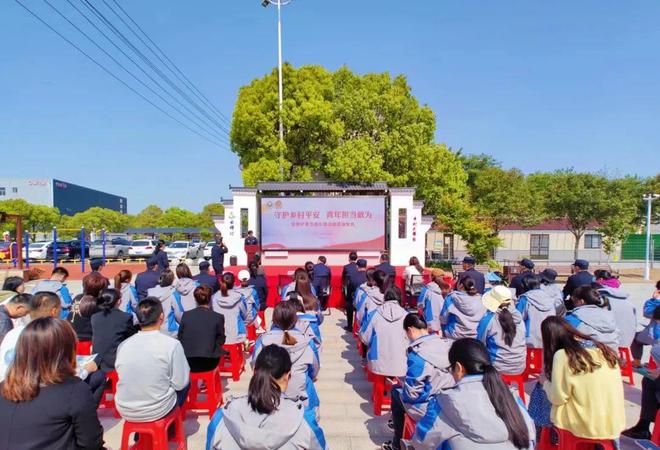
(583, 382)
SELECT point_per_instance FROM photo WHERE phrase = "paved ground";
(346, 412)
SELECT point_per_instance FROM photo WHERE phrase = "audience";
(183, 289)
(15, 308)
(592, 317)
(504, 337)
(258, 281)
(205, 278)
(250, 297)
(110, 327)
(362, 293)
(622, 308)
(548, 284)
(479, 412)
(535, 304)
(427, 374)
(147, 279)
(385, 265)
(375, 296)
(580, 277)
(462, 310)
(164, 292)
(43, 405)
(80, 316)
(383, 333)
(231, 305)
(432, 298)
(412, 274)
(469, 271)
(11, 287)
(526, 267)
(651, 332)
(583, 382)
(57, 285)
(311, 317)
(153, 372)
(266, 417)
(650, 396)
(202, 333)
(129, 296)
(303, 352)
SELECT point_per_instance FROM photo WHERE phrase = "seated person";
(164, 292)
(535, 304)
(266, 417)
(154, 376)
(592, 316)
(43, 405)
(80, 315)
(431, 300)
(650, 396)
(479, 412)
(202, 333)
(462, 310)
(17, 307)
(651, 332)
(251, 298)
(111, 326)
(231, 304)
(57, 285)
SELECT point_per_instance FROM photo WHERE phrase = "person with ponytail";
(299, 273)
(428, 373)
(311, 317)
(432, 298)
(164, 292)
(535, 304)
(266, 418)
(479, 412)
(462, 310)
(503, 332)
(412, 274)
(129, 295)
(592, 316)
(375, 297)
(231, 304)
(302, 350)
(184, 290)
(583, 382)
(111, 327)
(383, 334)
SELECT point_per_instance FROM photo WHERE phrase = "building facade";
(69, 198)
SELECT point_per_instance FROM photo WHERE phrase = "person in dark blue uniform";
(251, 239)
(581, 277)
(470, 272)
(385, 266)
(218, 257)
(147, 279)
(321, 280)
(160, 256)
(355, 279)
(526, 271)
(205, 278)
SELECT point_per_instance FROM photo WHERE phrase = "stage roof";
(320, 187)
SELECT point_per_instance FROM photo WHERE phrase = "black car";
(75, 249)
(62, 250)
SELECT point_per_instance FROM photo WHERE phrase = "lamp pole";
(647, 265)
(279, 4)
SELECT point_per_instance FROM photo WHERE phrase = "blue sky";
(539, 85)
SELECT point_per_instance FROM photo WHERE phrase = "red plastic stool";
(534, 361)
(213, 391)
(545, 440)
(153, 435)
(108, 398)
(84, 348)
(519, 380)
(651, 364)
(408, 427)
(655, 437)
(381, 393)
(568, 441)
(262, 316)
(627, 369)
(234, 363)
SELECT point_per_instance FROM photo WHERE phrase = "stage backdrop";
(332, 223)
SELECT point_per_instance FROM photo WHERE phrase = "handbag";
(539, 407)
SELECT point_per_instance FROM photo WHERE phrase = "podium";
(251, 250)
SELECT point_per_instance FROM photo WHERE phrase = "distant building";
(69, 198)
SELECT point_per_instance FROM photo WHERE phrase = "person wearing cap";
(355, 280)
(432, 298)
(251, 298)
(470, 272)
(204, 278)
(502, 331)
(535, 304)
(147, 279)
(526, 270)
(580, 277)
(385, 265)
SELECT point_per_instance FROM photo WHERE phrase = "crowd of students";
(448, 353)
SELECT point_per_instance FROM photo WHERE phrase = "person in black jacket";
(160, 256)
(470, 272)
(580, 277)
(204, 277)
(43, 405)
(202, 333)
(385, 266)
(355, 280)
(258, 281)
(218, 257)
(147, 279)
(526, 271)
(110, 327)
(83, 308)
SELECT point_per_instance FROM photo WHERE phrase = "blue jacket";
(209, 280)
(322, 277)
(145, 281)
(218, 258)
(161, 260)
(651, 333)
(510, 360)
(581, 278)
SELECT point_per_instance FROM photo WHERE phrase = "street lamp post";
(279, 4)
(647, 265)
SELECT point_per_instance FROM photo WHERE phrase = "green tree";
(148, 217)
(178, 217)
(96, 219)
(208, 211)
(475, 164)
(35, 217)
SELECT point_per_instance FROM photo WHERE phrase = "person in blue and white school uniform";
(428, 373)
(231, 305)
(266, 417)
(535, 304)
(503, 332)
(462, 310)
(432, 298)
(593, 317)
(479, 412)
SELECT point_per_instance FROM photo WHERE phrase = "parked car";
(182, 250)
(114, 248)
(37, 250)
(63, 249)
(75, 249)
(142, 248)
(207, 250)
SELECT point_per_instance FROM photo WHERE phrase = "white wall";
(230, 224)
(37, 191)
(416, 228)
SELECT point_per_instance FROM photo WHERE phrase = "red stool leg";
(626, 370)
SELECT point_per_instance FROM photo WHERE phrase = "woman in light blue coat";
(462, 311)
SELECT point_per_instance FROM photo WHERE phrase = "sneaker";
(635, 433)
(390, 424)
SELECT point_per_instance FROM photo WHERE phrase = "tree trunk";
(576, 247)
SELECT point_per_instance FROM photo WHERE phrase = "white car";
(207, 250)
(116, 247)
(143, 248)
(37, 250)
(181, 250)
